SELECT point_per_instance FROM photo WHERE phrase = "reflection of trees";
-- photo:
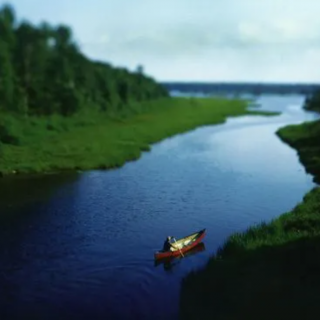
(20, 192)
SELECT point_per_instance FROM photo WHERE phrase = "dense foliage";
(43, 72)
(313, 102)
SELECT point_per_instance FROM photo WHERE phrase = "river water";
(81, 246)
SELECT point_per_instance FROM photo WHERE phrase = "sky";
(193, 40)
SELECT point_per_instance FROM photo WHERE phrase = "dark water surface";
(81, 246)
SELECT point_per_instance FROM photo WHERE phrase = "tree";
(7, 44)
(140, 69)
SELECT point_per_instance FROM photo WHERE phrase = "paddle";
(178, 247)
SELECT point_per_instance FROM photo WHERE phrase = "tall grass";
(271, 271)
(96, 140)
(306, 139)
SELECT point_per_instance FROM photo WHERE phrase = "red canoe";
(170, 260)
(184, 244)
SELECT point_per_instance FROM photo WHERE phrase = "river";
(81, 246)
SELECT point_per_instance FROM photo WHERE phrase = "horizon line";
(237, 82)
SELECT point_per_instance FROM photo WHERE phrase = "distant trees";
(42, 72)
(313, 102)
(140, 69)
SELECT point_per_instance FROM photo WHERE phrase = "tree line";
(312, 102)
(43, 72)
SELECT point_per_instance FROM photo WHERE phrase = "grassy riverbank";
(306, 139)
(95, 140)
(271, 271)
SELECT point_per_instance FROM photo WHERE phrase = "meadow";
(96, 140)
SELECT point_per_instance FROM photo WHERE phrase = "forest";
(43, 72)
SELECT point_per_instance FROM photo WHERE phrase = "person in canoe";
(168, 245)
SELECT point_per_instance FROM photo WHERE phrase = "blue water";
(81, 246)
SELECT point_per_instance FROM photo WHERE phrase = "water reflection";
(171, 262)
(21, 192)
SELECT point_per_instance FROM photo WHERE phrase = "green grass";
(271, 271)
(306, 139)
(94, 140)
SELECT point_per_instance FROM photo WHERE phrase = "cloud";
(195, 39)
(279, 33)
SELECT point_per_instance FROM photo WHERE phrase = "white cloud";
(279, 33)
(104, 39)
